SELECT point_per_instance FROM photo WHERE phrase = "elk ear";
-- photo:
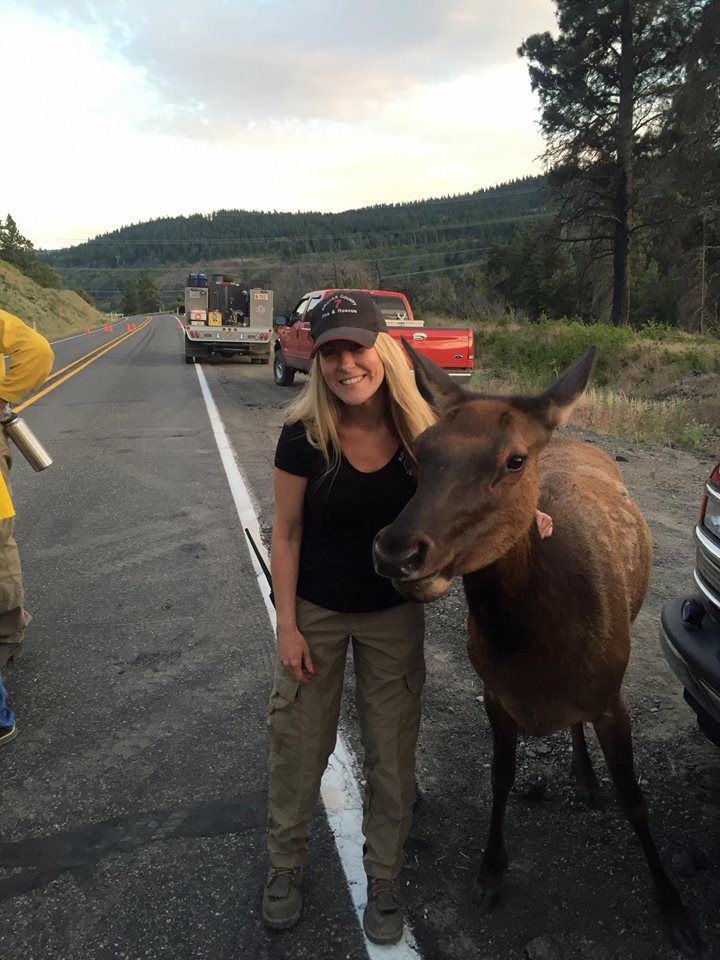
(562, 396)
(555, 405)
(434, 384)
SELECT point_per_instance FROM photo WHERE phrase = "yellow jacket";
(31, 358)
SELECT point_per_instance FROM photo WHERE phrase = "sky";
(119, 111)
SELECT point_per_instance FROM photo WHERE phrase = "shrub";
(631, 370)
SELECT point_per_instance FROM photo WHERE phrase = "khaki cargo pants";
(13, 617)
(303, 720)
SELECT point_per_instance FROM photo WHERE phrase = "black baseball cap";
(346, 315)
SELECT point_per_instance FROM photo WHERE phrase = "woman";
(343, 470)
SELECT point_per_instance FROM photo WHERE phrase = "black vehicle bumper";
(694, 656)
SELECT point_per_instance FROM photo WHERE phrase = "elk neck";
(506, 598)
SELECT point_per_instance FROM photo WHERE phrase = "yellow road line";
(56, 373)
(72, 373)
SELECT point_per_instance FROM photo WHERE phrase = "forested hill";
(482, 217)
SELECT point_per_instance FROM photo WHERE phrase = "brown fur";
(549, 620)
(572, 598)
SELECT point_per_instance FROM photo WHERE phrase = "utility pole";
(702, 271)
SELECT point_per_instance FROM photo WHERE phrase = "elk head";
(478, 483)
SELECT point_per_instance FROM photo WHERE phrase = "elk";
(549, 620)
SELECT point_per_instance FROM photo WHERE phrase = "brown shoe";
(383, 916)
(282, 897)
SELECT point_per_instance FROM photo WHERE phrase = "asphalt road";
(132, 803)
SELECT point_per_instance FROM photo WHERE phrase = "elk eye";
(515, 464)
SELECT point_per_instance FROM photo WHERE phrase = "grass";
(657, 385)
(644, 421)
(54, 313)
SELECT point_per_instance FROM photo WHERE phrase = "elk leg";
(581, 768)
(613, 732)
(494, 861)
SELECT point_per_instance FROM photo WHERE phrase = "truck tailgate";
(451, 349)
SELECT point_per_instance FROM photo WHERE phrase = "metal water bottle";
(17, 430)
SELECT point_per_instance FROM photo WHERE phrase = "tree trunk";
(625, 186)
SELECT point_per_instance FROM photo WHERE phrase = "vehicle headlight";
(712, 516)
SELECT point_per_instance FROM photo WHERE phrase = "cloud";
(130, 113)
(229, 64)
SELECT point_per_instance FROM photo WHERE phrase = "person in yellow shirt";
(31, 359)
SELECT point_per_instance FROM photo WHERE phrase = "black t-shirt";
(343, 511)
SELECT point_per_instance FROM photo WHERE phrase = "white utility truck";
(223, 319)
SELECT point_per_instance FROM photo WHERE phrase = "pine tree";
(131, 300)
(691, 209)
(19, 251)
(149, 300)
(605, 84)
(14, 247)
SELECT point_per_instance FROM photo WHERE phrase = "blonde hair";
(320, 410)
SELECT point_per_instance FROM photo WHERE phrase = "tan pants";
(303, 720)
(13, 617)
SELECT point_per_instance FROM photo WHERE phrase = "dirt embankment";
(54, 313)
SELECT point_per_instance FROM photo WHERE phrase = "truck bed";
(451, 348)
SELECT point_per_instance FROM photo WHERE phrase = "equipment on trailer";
(222, 318)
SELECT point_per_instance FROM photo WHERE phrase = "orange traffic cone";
(88, 330)
(134, 326)
(110, 329)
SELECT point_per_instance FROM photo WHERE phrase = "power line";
(432, 253)
(416, 273)
(387, 276)
(399, 256)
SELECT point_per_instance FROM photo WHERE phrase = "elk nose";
(399, 560)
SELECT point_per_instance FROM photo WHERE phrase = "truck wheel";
(282, 375)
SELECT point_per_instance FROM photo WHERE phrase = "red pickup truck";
(451, 348)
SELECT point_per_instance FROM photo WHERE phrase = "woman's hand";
(294, 653)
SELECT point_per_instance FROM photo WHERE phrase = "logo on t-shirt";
(406, 463)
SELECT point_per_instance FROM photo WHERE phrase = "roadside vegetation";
(33, 291)
(655, 385)
(54, 313)
(17, 250)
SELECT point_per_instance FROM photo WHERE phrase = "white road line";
(339, 790)
(95, 330)
(239, 491)
(74, 336)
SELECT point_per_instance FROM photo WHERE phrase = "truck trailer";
(224, 319)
